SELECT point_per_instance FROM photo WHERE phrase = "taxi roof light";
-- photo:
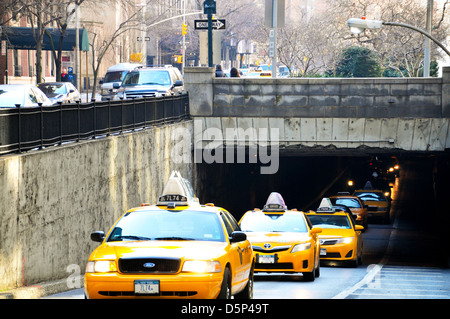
(178, 191)
(275, 203)
(326, 206)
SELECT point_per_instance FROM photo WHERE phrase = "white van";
(115, 74)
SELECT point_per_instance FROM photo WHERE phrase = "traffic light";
(184, 29)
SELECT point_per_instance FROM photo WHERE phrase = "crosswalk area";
(400, 282)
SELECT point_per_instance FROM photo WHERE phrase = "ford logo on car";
(149, 265)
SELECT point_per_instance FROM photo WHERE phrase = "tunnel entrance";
(304, 180)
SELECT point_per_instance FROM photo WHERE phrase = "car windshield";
(264, 222)
(116, 76)
(52, 90)
(370, 196)
(168, 225)
(147, 77)
(349, 202)
(330, 221)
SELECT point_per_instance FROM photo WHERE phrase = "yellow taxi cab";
(174, 249)
(378, 204)
(340, 238)
(283, 240)
(356, 205)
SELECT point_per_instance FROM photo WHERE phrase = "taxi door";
(241, 254)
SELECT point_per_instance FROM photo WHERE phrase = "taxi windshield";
(330, 221)
(370, 196)
(270, 222)
(168, 225)
(349, 202)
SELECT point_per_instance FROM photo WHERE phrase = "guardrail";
(23, 129)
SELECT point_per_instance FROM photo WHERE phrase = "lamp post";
(359, 25)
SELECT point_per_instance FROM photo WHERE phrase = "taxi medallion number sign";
(146, 287)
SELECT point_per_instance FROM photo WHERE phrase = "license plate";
(323, 251)
(266, 259)
(146, 287)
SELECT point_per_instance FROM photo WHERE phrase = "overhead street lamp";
(359, 25)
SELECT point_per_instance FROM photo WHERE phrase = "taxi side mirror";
(359, 227)
(98, 236)
(237, 236)
(316, 230)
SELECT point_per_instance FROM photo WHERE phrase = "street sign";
(145, 38)
(218, 24)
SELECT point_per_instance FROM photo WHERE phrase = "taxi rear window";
(263, 222)
(168, 225)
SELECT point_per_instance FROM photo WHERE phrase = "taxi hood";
(185, 249)
(277, 237)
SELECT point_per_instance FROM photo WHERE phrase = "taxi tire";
(225, 290)
(311, 276)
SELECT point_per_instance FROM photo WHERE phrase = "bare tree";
(101, 41)
(64, 11)
(40, 15)
(400, 49)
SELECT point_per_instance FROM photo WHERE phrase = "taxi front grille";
(325, 242)
(149, 265)
(271, 250)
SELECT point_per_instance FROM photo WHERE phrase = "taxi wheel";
(317, 270)
(309, 276)
(225, 291)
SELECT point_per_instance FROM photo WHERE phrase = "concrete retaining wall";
(323, 97)
(412, 134)
(51, 200)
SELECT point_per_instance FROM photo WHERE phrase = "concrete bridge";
(331, 114)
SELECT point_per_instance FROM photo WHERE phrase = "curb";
(39, 290)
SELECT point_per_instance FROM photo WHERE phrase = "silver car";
(25, 95)
(64, 92)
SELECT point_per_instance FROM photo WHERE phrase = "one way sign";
(218, 24)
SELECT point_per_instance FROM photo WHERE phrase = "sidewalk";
(37, 291)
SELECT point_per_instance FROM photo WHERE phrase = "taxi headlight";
(301, 247)
(101, 266)
(345, 240)
(201, 266)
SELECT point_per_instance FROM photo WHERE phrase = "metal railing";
(27, 128)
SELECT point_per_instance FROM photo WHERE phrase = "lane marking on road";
(374, 270)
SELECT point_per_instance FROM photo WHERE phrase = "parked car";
(25, 95)
(64, 92)
(150, 82)
(115, 74)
